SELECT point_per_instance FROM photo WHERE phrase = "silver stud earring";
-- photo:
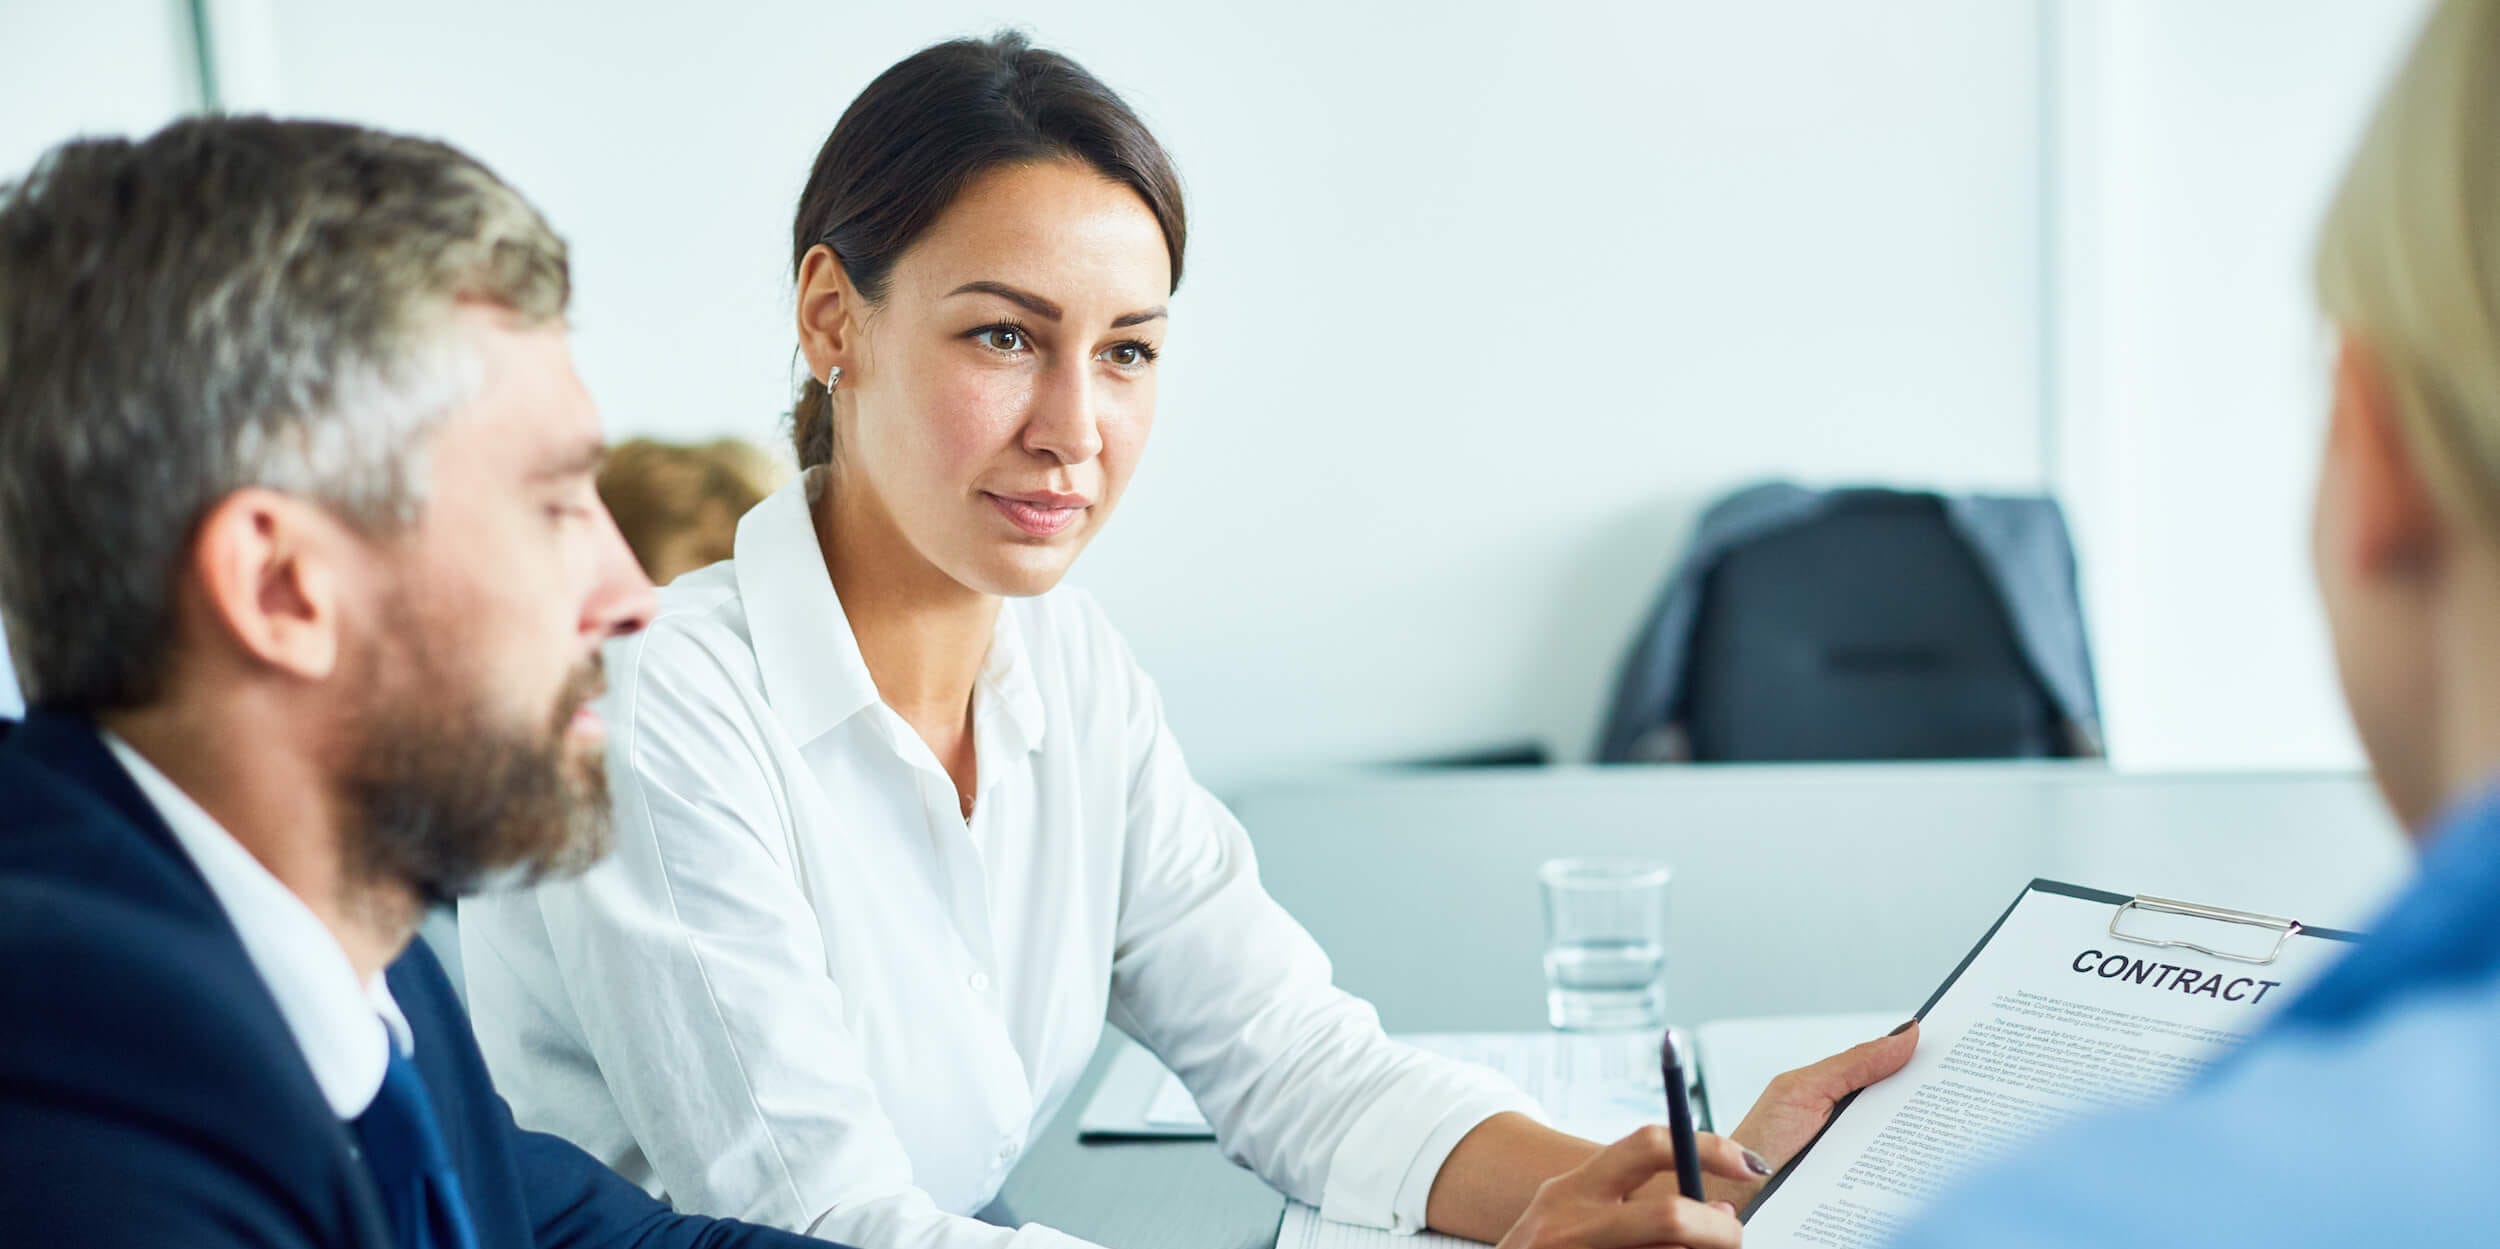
(833, 376)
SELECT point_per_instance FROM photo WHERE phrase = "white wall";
(1485, 300)
(92, 67)
(1482, 302)
(95, 67)
(2195, 148)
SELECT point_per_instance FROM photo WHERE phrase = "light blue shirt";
(2368, 1113)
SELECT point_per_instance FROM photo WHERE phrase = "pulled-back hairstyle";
(928, 127)
(2409, 259)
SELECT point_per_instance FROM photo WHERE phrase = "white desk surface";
(1798, 890)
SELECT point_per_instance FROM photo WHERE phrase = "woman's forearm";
(1487, 1182)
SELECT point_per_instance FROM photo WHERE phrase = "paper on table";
(1173, 1107)
(2034, 1030)
(1304, 1229)
(1738, 1058)
(1138, 1099)
(1596, 1085)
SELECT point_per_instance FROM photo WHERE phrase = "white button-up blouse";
(805, 991)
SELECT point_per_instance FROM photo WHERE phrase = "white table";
(1797, 889)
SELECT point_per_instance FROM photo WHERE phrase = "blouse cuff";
(1382, 1172)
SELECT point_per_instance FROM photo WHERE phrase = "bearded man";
(306, 576)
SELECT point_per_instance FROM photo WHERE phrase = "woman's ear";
(2393, 522)
(828, 309)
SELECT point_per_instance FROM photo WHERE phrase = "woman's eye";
(1129, 355)
(1001, 338)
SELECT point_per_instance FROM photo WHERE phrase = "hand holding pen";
(1611, 1201)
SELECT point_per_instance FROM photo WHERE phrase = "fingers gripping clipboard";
(2076, 1000)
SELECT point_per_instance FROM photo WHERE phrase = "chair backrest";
(1867, 632)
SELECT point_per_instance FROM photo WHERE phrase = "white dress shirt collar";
(344, 1028)
(813, 673)
(804, 649)
(806, 989)
(1008, 677)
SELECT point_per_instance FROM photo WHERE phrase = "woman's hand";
(1625, 1195)
(1610, 1201)
(1798, 1103)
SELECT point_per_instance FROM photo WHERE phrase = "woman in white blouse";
(900, 824)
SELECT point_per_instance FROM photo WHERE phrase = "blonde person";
(900, 822)
(2368, 1112)
(678, 505)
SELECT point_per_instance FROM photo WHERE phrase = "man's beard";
(446, 797)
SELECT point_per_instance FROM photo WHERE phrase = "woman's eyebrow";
(1027, 300)
(1044, 308)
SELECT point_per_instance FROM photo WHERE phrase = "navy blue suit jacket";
(151, 1095)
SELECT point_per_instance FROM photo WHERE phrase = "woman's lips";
(1039, 515)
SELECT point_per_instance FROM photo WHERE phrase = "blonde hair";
(2409, 258)
(661, 491)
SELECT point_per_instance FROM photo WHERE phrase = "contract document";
(2076, 1001)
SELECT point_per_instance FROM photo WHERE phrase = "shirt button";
(979, 980)
(1006, 1154)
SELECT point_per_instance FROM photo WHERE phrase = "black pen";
(1680, 1120)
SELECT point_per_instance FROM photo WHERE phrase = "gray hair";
(228, 303)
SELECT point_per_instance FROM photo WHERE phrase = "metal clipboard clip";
(2283, 928)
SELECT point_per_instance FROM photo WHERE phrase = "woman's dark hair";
(924, 130)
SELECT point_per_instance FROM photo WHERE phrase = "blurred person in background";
(678, 504)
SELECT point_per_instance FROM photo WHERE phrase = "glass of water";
(1605, 943)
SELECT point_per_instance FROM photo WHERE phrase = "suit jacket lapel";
(73, 749)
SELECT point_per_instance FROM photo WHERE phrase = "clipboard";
(2125, 924)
